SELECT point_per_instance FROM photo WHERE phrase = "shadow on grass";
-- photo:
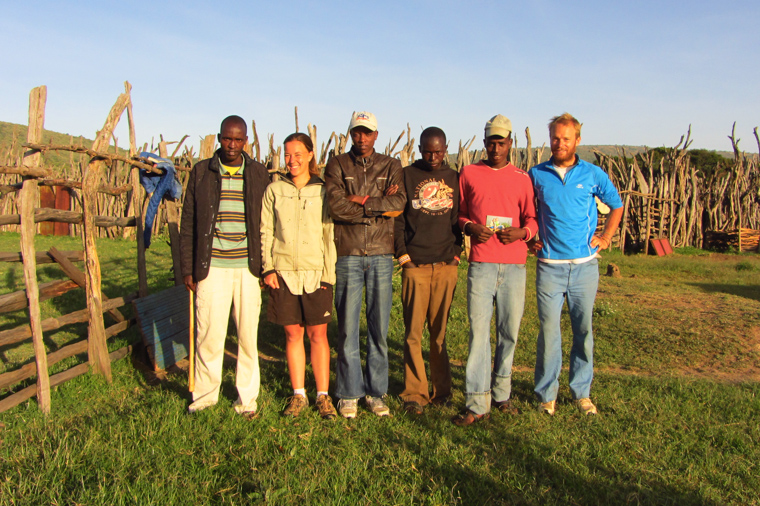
(747, 291)
(510, 462)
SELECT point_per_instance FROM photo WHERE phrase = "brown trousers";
(426, 294)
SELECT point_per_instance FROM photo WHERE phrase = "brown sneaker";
(295, 405)
(469, 418)
(325, 407)
(506, 407)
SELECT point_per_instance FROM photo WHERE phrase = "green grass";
(677, 358)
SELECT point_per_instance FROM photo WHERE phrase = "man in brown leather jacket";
(365, 191)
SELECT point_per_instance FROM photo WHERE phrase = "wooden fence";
(93, 185)
(667, 197)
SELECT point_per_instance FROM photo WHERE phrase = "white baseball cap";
(365, 119)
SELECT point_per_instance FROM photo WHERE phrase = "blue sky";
(633, 73)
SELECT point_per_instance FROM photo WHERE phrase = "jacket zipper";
(366, 245)
(298, 221)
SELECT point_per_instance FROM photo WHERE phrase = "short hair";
(234, 119)
(306, 141)
(565, 119)
(432, 133)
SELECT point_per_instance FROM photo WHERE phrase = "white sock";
(321, 393)
(299, 391)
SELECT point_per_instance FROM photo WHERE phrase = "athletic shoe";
(347, 407)
(325, 407)
(548, 407)
(295, 405)
(585, 406)
(377, 405)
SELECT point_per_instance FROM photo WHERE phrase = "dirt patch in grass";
(705, 334)
(721, 257)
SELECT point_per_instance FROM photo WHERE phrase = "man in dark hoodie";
(428, 244)
(220, 243)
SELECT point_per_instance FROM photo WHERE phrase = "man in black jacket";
(428, 244)
(364, 192)
(221, 260)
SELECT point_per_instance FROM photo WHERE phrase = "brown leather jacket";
(201, 206)
(363, 230)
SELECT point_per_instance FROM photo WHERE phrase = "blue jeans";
(353, 273)
(554, 282)
(503, 284)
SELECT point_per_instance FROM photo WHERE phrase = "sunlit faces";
(564, 142)
(363, 140)
(297, 160)
(433, 151)
(233, 139)
(497, 149)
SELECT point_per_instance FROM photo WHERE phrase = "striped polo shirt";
(230, 245)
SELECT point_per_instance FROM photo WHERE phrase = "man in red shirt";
(497, 210)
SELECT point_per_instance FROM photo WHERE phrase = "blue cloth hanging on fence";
(159, 185)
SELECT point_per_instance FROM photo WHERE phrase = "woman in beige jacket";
(299, 257)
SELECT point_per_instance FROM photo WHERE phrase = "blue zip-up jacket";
(566, 210)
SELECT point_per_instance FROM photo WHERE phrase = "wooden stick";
(42, 256)
(97, 350)
(29, 370)
(15, 335)
(191, 346)
(29, 196)
(77, 277)
(25, 170)
(138, 198)
(173, 213)
(98, 154)
(47, 214)
(14, 400)
(69, 183)
(179, 145)
(18, 300)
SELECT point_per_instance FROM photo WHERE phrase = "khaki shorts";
(308, 309)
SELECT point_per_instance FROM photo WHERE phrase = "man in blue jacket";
(565, 188)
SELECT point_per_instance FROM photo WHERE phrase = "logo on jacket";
(433, 197)
(580, 186)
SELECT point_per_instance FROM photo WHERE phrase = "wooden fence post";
(207, 147)
(173, 213)
(137, 201)
(97, 349)
(29, 195)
